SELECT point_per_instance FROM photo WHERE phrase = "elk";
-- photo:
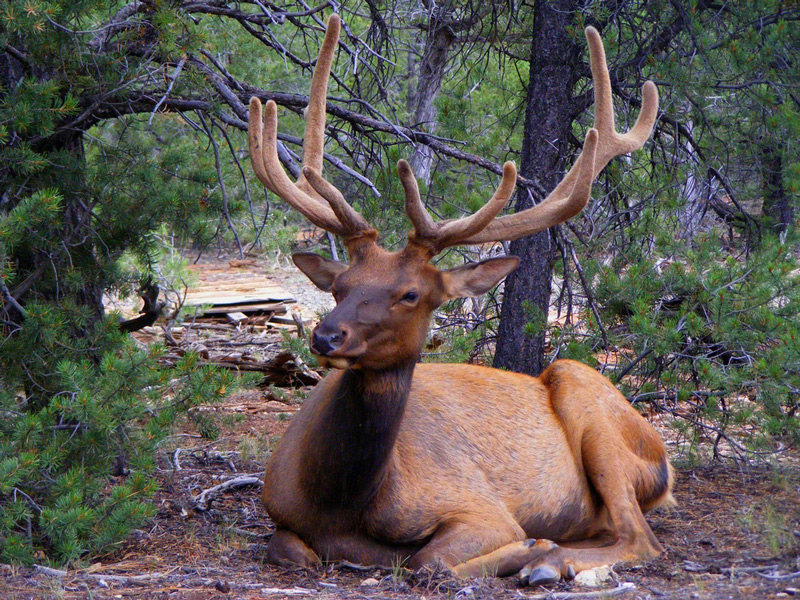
(478, 470)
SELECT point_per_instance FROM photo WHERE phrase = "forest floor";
(735, 532)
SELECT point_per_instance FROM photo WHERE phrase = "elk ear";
(477, 278)
(320, 270)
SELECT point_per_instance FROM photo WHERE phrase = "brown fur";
(392, 462)
(482, 459)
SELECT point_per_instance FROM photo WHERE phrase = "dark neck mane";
(348, 447)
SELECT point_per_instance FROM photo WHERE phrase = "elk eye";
(410, 297)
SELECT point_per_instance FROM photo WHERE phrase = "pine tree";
(82, 407)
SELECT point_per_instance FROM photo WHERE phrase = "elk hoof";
(541, 575)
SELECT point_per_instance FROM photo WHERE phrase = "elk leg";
(458, 540)
(542, 561)
(504, 561)
(625, 482)
(634, 540)
(624, 460)
(286, 549)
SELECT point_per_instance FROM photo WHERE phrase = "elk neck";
(349, 445)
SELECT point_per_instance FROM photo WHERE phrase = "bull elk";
(479, 470)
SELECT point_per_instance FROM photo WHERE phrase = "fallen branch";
(294, 591)
(622, 588)
(188, 579)
(48, 571)
(251, 534)
(735, 570)
(346, 564)
(283, 370)
(785, 577)
(124, 579)
(203, 502)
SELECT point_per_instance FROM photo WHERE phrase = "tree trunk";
(555, 66)
(776, 201)
(78, 226)
(692, 190)
(431, 72)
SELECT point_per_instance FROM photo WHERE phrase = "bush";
(81, 419)
(714, 331)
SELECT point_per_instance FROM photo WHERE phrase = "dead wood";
(203, 501)
(186, 581)
(734, 570)
(622, 588)
(150, 311)
(284, 370)
(778, 577)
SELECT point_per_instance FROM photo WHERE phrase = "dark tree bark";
(777, 205)
(79, 246)
(78, 225)
(556, 63)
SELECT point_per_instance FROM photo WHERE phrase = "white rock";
(370, 581)
(596, 577)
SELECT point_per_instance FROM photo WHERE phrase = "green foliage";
(79, 401)
(298, 346)
(717, 333)
(453, 344)
(76, 409)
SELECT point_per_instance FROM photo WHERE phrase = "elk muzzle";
(334, 345)
(326, 339)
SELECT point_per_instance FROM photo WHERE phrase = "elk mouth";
(335, 362)
(339, 358)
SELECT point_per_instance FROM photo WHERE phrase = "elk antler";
(311, 192)
(568, 198)
(449, 233)
(306, 195)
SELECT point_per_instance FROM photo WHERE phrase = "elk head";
(384, 300)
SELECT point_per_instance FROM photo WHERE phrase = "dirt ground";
(735, 533)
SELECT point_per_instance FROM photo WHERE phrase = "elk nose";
(326, 340)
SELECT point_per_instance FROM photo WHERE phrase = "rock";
(370, 582)
(596, 577)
